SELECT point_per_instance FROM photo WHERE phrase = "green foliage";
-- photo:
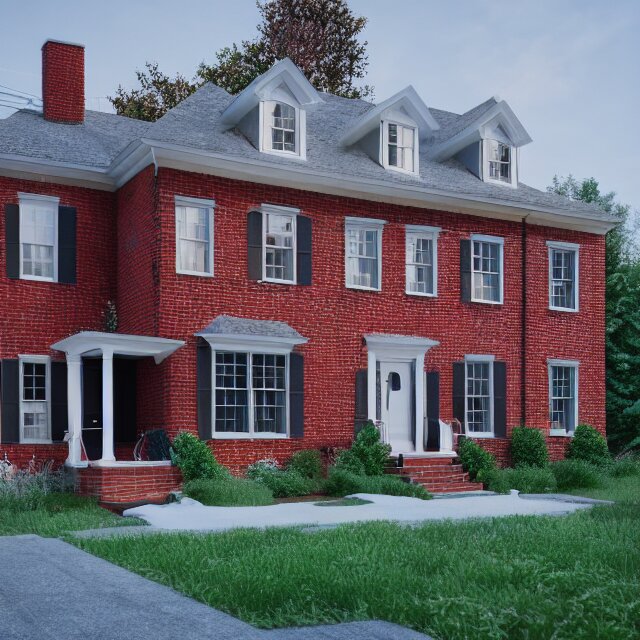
(24, 490)
(342, 482)
(478, 462)
(195, 459)
(308, 463)
(367, 454)
(528, 447)
(628, 465)
(576, 474)
(524, 478)
(283, 483)
(589, 445)
(228, 492)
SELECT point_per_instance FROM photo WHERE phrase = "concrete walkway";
(190, 515)
(52, 590)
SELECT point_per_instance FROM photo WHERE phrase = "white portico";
(97, 344)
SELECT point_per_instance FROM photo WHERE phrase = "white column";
(74, 410)
(419, 391)
(107, 406)
(371, 385)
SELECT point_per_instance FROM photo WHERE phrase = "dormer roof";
(284, 81)
(406, 101)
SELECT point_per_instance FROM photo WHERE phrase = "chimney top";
(63, 82)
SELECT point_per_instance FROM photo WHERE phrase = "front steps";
(436, 475)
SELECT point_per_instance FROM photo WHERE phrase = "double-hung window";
(38, 237)
(194, 236)
(283, 128)
(250, 394)
(499, 161)
(563, 396)
(479, 395)
(563, 276)
(35, 391)
(487, 269)
(400, 146)
(279, 229)
(421, 260)
(363, 249)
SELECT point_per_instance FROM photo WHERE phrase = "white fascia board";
(251, 342)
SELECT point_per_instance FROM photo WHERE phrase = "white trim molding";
(553, 245)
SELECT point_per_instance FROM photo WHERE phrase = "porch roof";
(89, 343)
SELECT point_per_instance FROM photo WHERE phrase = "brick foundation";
(22, 455)
(500, 448)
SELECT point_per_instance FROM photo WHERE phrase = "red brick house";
(285, 264)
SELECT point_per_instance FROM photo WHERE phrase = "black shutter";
(500, 399)
(458, 391)
(433, 410)
(10, 402)
(59, 413)
(465, 270)
(362, 402)
(204, 387)
(254, 244)
(12, 239)
(296, 395)
(67, 245)
(303, 257)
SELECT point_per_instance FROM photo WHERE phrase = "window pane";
(268, 378)
(419, 263)
(486, 271)
(194, 238)
(562, 278)
(231, 394)
(563, 398)
(478, 397)
(362, 257)
(283, 128)
(280, 245)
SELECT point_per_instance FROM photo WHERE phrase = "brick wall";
(63, 82)
(23, 455)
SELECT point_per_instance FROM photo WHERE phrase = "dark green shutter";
(254, 245)
(303, 249)
(12, 239)
(458, 391)
(67, 245)
(59, 413)
(500, 399)
(10, 389)
(296, 395)
(433, 410)
(362, 399)
(204, 390)
(465, 270)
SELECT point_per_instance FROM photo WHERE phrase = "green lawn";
(519, 577)
(60, 514)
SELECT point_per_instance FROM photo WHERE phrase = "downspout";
(523, 328)
(155, 263)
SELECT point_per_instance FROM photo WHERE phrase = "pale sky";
(570, 69)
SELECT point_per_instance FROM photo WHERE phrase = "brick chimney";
(63, 82)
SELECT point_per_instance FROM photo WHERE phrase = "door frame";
(397, 348)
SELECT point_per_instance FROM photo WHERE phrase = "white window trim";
(251, 434)
(210, 205)
(477, 237)
(286, 211)
(29, 359)
(477, 359)
(24, 198)
(384, 147)
(565, 246)
(367, 224)
(575, 364)
(265, 113)
(433, 232)
(515, 152)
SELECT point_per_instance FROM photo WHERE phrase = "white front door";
(396, 395)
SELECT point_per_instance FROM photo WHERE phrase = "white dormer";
(391, 132)
(272, 110)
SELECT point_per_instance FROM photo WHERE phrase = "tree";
(622, 311)
(320, 36)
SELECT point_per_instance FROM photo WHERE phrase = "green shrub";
(308, 463)
(478, 462)
(342, 482)
(626, 466)
(283, 483)
(590, 445)
(195, 460)
(524, 478)
(228, 492)
(24, 490)
(528, 447)
(576, 474)
(366, 453)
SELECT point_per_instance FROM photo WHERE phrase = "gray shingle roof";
(194, 123)
(229, 325)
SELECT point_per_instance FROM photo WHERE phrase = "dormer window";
(282, 128)
(399, 147)
(500, 162)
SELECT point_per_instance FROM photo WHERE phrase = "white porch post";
(419, 402)
(371, 385)
(107, 406)
(74, 410)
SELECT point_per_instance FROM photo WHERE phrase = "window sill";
(294, 155)
(490, 302)
(502, 183)
(472, 434)
(421, 295)
(405, 172)
(200, 274)
(38, 279)
(564, 309)
(359, 288)
(248, 436)
(24, 441)
(560, 433)
(274, 281)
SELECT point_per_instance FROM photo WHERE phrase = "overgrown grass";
(520, 577)
(59, 514)
(623, 490)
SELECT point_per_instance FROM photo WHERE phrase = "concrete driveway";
(51, 590)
